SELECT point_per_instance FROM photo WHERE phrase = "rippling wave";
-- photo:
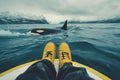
(96, 45)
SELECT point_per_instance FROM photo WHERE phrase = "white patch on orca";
(40, 31)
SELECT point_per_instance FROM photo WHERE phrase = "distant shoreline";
(58, 23)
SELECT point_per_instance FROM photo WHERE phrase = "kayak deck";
(14, 72)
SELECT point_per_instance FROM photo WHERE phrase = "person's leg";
(44, 69)
(39, 71)
(67, 71)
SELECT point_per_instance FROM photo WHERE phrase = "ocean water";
(95, 45)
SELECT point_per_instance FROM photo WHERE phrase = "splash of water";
(9, 33)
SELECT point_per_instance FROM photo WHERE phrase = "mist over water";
(95, 45)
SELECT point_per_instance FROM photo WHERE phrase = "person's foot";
(49, 52)
(64, 54)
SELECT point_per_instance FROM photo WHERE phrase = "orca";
(45, 31)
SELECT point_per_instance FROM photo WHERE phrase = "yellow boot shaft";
(64, 54)
(49, 52)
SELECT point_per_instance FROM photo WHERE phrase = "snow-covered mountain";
(109, 20)
(18, 18)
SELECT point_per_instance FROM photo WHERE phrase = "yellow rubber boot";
(64, 54)
(49, 52)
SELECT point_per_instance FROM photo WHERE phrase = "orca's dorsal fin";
(64, 26)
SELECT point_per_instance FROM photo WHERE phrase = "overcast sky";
(58, 10)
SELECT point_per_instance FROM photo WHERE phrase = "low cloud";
(58, 10)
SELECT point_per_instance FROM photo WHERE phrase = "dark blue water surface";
(95, 45)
